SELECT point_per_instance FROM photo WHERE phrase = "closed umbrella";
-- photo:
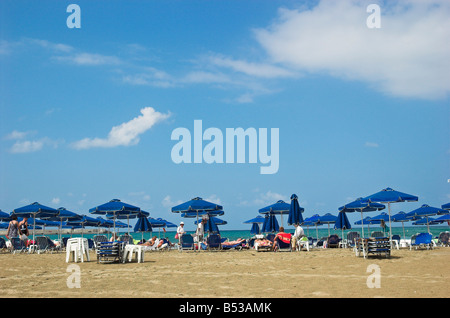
(270, 224)
(143, 225)
(295, 211)
(255, 224)
(342, 223)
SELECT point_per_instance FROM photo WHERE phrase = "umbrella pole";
(362, 225)
(403, 226)
(390, 229)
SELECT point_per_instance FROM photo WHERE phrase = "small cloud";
(371, 144)
(90, 59)
(25, 146)
(126, 134)
(15, 134)
(168, 202)
(56, 200)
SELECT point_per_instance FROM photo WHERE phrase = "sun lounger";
(109, 252)
(377, 234)
(213, 242)
(263, 243)
(333, 241)
(444, 238)
(237, 245)
(2, 243)
(422, 240)
(186, 243)
(98, 239)
(373, 246)
(352, 237)
(17, 245)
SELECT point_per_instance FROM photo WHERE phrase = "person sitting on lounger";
(153, 242)
(283, 237)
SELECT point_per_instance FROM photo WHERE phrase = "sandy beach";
(325, 273)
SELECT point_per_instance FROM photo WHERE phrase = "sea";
(313, 232)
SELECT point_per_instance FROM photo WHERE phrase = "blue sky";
(86, 115)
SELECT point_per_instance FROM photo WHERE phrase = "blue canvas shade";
(295, 211)
(4, 217)
(446, 206)
(255, 224)
(128, 216)
(425, 211)
(63, 215)
(34, 210)
(401, 217)
(212, 225)
(362, 205)
(115, 208)
(313, 221)
(279, 208)
(342, 223)
(85, 221)
(202, 214)
(426, 221)
(327, 219)
(389, 196)
(143, 225)
(198, 206)
(270, 224)
(444, 218)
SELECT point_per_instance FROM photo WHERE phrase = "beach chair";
(351, 239)
(165, 245)
(238, 245)
(377, 234)
(333, 241)
(270, 237)
(421, 240)
(126, 238)
(98, 239)
(303, 242)
(110, 252)
(396, 240)
(64, 242)
(321, 241)
(213, 242)
(186, 242)
(443, 238)
(283, 244)
(17, 245)
(2, 244)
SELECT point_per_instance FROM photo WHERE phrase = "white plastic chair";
(77, 247)
(303, 243)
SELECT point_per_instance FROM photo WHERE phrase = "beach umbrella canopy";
(255, 224)
(143, 225)
(313, 221)
(270, 223)
(425, 211)
(401, 217)
(198, 206)
(202, 214)
(389, 196)
(115, 208)
(427, 222)
(342, 223)
(362, 205)
(444, 218)
(211, 225)
(446, 206)
(4, 225)
(63, 215)
(327, 219)
(34, 210)
(279, 208)
(4, 217)
(295, 211)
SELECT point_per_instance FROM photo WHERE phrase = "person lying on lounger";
(231, 243)
(151, 242)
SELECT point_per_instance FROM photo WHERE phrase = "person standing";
(298, 234)
(23, 229)
(180, 230)
(13, 228)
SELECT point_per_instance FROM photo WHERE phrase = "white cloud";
(251, 68)
(407, 56)
(27, 146)
(371, 144)
(15, 134)
(126, 134)
(89, 59)
(168, 202)
(56, 200)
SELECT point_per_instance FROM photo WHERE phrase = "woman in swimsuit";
(13, 228)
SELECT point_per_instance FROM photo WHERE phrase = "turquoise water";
(321, 232)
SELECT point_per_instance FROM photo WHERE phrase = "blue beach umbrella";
(382, 219)
(128, 216)
(362, 205)
(63, 215)
(255, 224)
(196, 205)
(212, 225)
(425, 211)
(426, 221)
(270, 224)
(295, 211)
(278, 208)
(34, 210)
(85, 221)
(389, 196)
(401, 217)
(444, 218)
(366, 221)
(313, 221)
(4, 225)
(446, 206)
(115, 208)
(327, 219)
(143, 225)
(342, 223)
(4, 217)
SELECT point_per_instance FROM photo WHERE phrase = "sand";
(325, 273)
